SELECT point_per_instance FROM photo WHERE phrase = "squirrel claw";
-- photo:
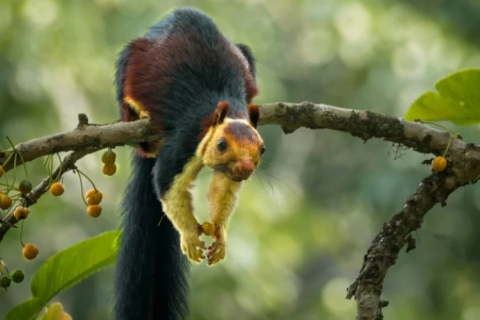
(216, 251)
(192, 247)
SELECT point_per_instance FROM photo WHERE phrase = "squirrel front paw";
(192, 246)
(217, 250)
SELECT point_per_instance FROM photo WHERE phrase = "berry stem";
(21, 234)
(449, 143)
(8, 159)
(21, 157)
(438, 125)
(50, 169)
(61, 167)
(6, 185)
(16, 197)
(83, 174)
(81, 187)
(14, 174)
(47, 164)
(46, 160)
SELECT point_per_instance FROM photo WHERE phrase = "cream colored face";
(233, 147)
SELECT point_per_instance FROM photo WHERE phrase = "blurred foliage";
(305, 221)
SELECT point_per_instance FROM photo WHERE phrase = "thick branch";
(359, 123)
(84, 136)
(290, 116)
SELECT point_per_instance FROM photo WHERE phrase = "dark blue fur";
(208, 76)
(151, 275)
(248, 54)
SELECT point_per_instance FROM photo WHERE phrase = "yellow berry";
(57, 189)
(109, 157)
(208, 228)
(94, 197)
(109, 169)
(1, 171)
(439, 164)
(21, 213)
(90, 193)
(5, 201)
(18, 213)
(94, 210)
(30, 251)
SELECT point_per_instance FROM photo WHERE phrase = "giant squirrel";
(197, 88)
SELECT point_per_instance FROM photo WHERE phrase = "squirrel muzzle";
(240, 169)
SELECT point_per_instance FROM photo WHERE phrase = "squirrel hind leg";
(150, 149)
(133, 111)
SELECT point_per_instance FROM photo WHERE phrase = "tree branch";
(359, 123)
(394, 235)
(290, 116)
(84, 136)
(463, 168)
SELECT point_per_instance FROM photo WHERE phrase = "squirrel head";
(232, 146)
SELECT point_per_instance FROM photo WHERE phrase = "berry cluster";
(14, 200)
(6, 278)
(94, 197)
(109, 167)
(21, 212)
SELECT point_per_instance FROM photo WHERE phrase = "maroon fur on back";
(153, 66)
(144, 78)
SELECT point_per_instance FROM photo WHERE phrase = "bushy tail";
(151, 274)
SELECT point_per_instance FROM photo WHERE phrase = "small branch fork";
(68, 164)
(463, 168)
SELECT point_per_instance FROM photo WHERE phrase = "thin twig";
(32, 197)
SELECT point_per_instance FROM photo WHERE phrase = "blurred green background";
(304, 222)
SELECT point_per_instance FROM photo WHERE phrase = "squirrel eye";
(222, 145)
(263, 150)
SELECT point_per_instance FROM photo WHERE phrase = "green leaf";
(457, 100)
(27, 310)
(70, 266)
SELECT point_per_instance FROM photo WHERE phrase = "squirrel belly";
(196, 87)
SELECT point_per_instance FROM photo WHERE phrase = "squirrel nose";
(244, 168)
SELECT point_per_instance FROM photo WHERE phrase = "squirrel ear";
(253, 114)
(221, 112)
